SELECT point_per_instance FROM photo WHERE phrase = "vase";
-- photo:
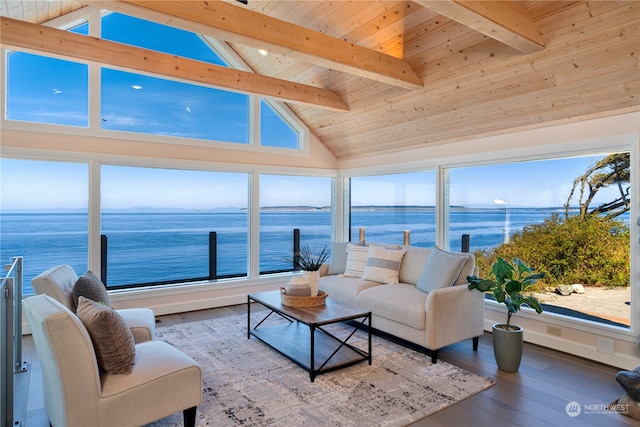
(298, 287)
(507, 347)
(312, 278)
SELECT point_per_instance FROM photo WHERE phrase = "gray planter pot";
(507, 346)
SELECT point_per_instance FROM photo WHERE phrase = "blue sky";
(542, 183)
(38, 185)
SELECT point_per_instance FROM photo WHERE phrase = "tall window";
(44, 215)
(288, 203)
(158, 224)
(538, 212)
(386, 206)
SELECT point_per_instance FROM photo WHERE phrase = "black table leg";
(369, 328)
(248, 317)
(312, 368)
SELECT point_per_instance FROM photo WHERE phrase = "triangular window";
(149, 35)
(274, 130)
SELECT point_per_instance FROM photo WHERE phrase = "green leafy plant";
(506, 282)
(310, 258)
(593, 251)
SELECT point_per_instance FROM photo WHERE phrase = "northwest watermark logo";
(573, 409)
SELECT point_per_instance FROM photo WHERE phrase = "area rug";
(246, 383)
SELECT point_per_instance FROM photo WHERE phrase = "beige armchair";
(163, 380)
(58, 282)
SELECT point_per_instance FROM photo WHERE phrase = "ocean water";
(145, 247)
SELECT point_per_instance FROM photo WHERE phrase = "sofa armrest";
(454, 314)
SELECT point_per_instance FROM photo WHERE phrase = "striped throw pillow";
(356, 260)
(383, 265)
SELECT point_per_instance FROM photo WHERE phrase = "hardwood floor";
(537, 395)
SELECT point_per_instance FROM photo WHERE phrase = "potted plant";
(507, 282)
(309, 259)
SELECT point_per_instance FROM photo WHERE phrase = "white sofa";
(430, 305)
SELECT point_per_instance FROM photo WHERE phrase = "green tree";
(591, 248)
(613, 170)
(591, 251)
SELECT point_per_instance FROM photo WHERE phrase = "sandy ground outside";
(609, 303)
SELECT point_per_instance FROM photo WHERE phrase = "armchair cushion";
(58, 283)
(111, 337)
(90, 286)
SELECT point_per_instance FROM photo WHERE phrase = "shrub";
(591, 251)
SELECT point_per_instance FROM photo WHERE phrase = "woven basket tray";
(296, 301)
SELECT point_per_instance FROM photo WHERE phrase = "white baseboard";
(201, 304)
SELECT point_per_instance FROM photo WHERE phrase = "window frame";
(92, 16)
(578, 147)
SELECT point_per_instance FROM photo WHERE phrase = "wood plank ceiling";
(408, 74)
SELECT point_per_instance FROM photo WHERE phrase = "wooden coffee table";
(304, 339)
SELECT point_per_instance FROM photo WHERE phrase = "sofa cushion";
(111, 337)
(413, 264)
(383, 264)
(468, 269)
(338, 263)
(441, 270)
(344, 289)
(356, 260)
(401, 303)
(90, 286)
(391, 246)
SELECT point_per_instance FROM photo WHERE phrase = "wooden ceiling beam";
(236, 24)
(505, 21)
(15, 34)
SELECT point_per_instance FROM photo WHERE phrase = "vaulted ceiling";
(369, 77)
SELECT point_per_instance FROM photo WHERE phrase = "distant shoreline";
(300, 208)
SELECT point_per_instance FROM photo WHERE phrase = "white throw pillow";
(338, 263)
(383, 265)
(441, 270)
(356, 260)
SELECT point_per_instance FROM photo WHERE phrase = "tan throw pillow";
(383, 265)
(112, 339)
(356, 260)
(90, 286)
(441, 270)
